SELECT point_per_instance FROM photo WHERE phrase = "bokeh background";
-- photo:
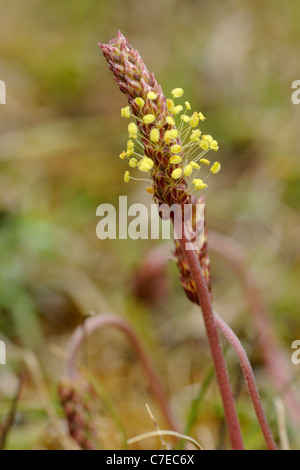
(60, 137)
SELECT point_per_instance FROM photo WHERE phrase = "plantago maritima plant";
(77, 398)
(171, 154)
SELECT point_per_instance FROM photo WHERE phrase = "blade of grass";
(193, 412)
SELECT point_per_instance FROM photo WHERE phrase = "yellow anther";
(170, 120)
(126, 177)
(199, 184)
(133, 162)
(151, 95)
(214, 145)
(176, 148)
(170, 105)
(150, 190)
(130, 148)
(205, 161)
(146, 164)
(125, 112)
(208, 138)
(175, 159)
(185, 118)
(149, 118)
(170, 135)
(195, 165)
(188, 170)
(187, 105)
(204, 145)
(154, 135)
(194, 137)
(177, 173)
(177, 109)
(140, 102)
(216, 168)
(194, 121)
(177, 92)
(132, 130)
(201, 117)
(122, 155)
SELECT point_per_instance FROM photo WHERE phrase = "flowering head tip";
(168, 134)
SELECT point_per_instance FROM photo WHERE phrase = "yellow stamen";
(185, 118)
(216, 168)
(194, 121)
(204, 145)
(151, 95)
(132, 130)
(214, 145)
(130, 148)
(177, 109)
(188, 170)
(170, 105)
(170, 135)
(149, 118)
(133, 162)
(146, 164)
(177, 173)
(208, 138)
(175, 160)
(125, 112)
(150, 190)
(194, 137)
(199, 184)
(177, 92)
(170, 121)
(154, 135)
(140, 102)
(176, 148)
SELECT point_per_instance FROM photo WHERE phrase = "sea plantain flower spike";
(168, 146)
(149, 107)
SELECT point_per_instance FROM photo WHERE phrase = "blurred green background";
(60, 137)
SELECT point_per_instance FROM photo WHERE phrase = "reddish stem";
(99, 321)
(214, 343)
(250, 380)
(277, 364)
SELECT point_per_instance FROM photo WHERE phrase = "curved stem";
(277, 364)
(250, 380)
(99, 321)
(159, 433)
(214, 343)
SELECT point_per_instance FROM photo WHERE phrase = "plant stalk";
(99, 321)
(276, 362)
(231, 417)
(249, 378)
